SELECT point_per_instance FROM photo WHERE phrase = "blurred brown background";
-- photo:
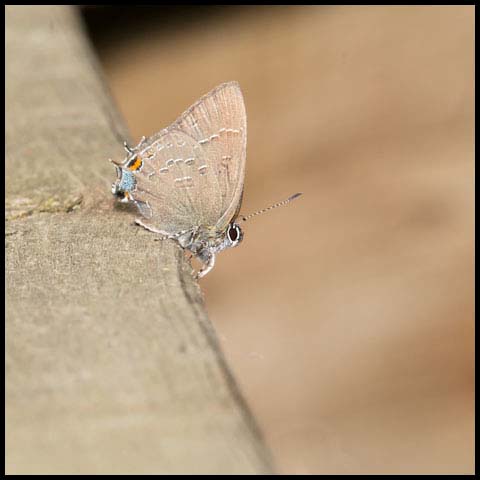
(347, 317)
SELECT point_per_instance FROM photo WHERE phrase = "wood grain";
(112, 363)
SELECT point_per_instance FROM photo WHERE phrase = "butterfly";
(187, 180)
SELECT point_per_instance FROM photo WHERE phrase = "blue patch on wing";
(127, 182)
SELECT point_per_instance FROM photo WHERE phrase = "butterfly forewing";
(193, 171)
(219, 123)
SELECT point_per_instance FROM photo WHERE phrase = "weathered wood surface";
(112, 364)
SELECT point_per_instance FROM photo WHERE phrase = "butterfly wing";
(218, 122)
(193, 171)
(173, 188)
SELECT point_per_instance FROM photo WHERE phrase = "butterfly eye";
(234, 233)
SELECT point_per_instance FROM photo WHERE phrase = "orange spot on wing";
(137, 163)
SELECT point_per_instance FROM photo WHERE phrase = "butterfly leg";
(183, 237)
(150, 228)
(209, 264)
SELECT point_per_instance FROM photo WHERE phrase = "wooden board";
(112, 363)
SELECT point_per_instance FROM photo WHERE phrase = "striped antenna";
(279, 204)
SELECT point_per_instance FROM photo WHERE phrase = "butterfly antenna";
(271, 207)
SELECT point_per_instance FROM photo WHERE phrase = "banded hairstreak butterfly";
(187, 180)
